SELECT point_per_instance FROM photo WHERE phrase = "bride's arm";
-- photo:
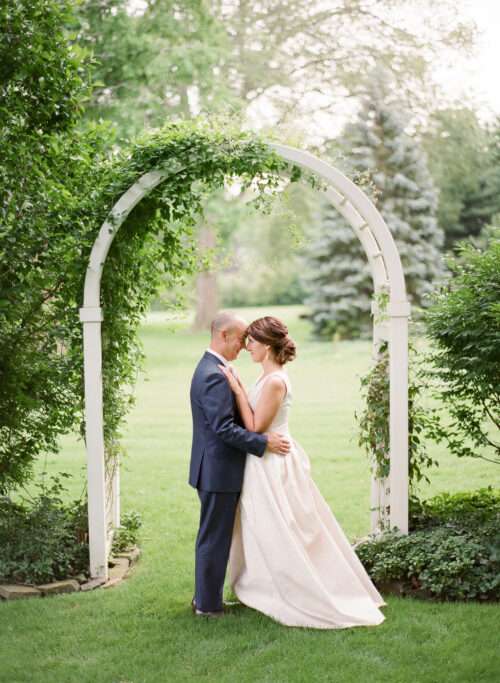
(245, 408)
(267, 406)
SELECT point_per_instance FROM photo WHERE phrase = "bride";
(289, 557)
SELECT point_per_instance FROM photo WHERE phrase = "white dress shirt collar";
(217, 355)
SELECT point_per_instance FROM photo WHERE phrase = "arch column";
(104, 510)
(387, 275)
(91, 317)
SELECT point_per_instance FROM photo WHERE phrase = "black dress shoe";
(199, 613)
(210, 615)
(226, 605)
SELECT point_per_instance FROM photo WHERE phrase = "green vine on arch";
(373, 421)
(155, 242)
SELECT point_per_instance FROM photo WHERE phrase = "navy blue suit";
(218, 454)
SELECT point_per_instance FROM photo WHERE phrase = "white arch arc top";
(387, 275)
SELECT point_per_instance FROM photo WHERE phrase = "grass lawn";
(143, 630)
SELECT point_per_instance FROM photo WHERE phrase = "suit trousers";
(213, 543)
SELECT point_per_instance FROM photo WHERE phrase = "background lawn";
(143, 629)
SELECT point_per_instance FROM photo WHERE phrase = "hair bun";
(287, 350)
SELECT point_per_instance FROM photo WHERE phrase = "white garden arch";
(387, 275)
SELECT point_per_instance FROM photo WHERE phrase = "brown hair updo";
(273, 333)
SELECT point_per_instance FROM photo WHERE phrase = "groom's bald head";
(225, 320)
(228, 334)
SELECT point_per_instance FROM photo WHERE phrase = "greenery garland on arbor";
(155, 241)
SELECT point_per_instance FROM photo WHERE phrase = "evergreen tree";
(482, 205)
(376, 145)
(338, 279)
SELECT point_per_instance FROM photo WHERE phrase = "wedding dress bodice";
(280, 421)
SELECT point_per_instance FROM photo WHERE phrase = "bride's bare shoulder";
(275, 384)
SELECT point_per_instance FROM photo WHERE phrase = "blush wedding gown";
(289, 557)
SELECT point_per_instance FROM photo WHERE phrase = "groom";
(218, 453)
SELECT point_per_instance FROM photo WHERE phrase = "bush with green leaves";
(453, 553)
(43, 538)
(462, 511)
(127, 534)
(463, 325)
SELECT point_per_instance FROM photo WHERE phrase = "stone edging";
(119, 568)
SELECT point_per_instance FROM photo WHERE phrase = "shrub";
(464, 326)
(43, 539)
(463, 511)
(126, 535)
(453, 553)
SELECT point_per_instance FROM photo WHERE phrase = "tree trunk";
(206, 285)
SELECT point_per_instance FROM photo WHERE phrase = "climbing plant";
(155, 241)
(374, 420)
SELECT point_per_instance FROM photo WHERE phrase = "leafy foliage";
(161, 59)
(127, 533)
(43, 169)
(374, 422)
(147, 62)
(464, 326)
(43, 79)
(459, 151)
(466, 510)
(43, 539)
(453, 555)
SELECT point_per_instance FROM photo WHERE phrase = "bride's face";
(256, 349)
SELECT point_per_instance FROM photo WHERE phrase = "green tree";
(44, 80)
(458, 149)
(232, 55)
(376, 146)
(337, 279)
(148, 63)
(482, 204)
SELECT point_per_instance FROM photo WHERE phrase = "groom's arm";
(217, 406)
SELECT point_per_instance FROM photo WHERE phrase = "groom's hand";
(277, 443)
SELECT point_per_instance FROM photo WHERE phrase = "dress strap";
(283, 375)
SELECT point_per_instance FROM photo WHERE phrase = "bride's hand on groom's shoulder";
(232, 377)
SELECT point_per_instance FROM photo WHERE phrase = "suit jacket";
(220, 443)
